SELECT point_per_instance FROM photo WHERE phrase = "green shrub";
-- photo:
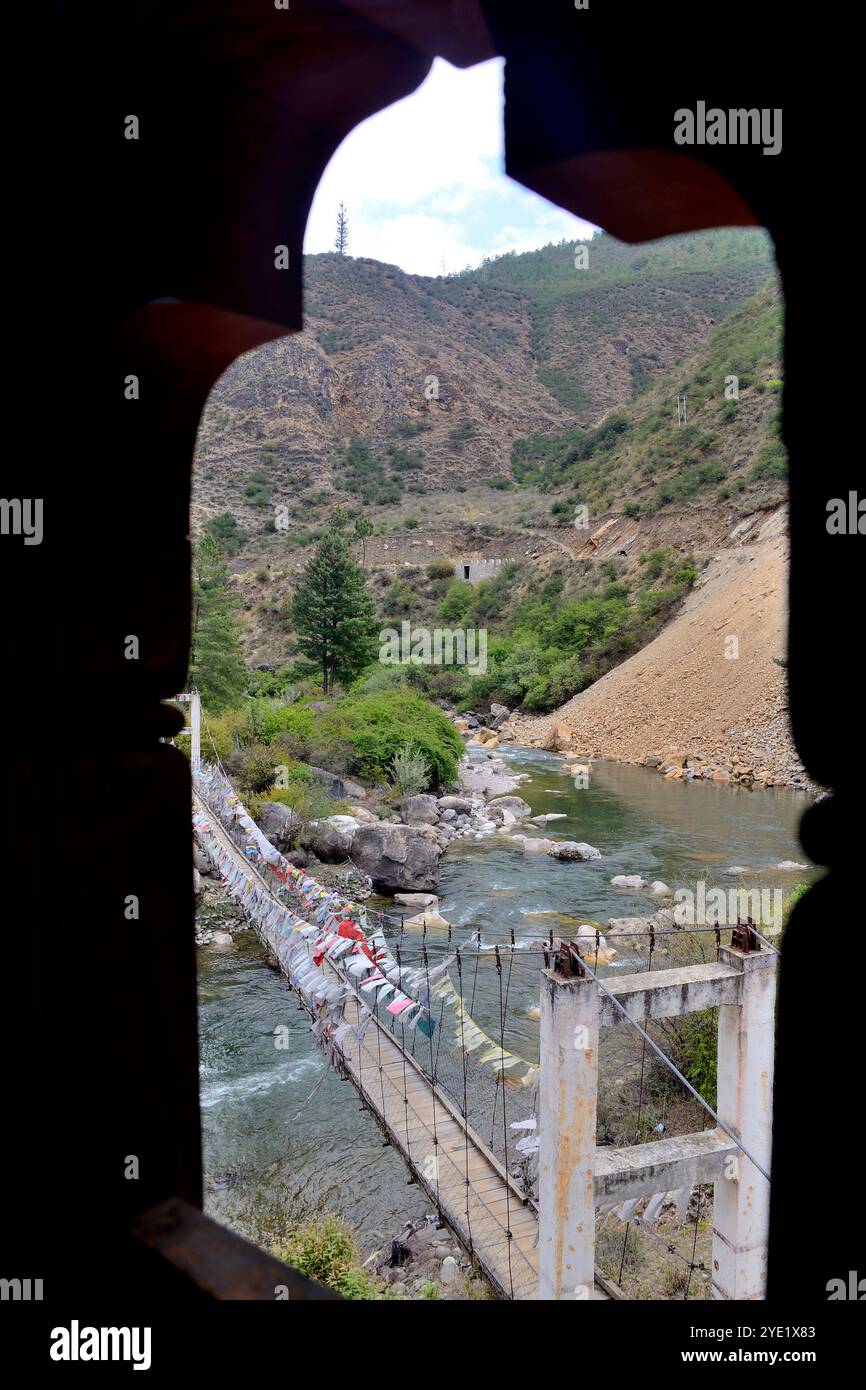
(797, 892)
(271, 717)
(225, 530)
(457, 603)
(771, 462)
(440, 569)
(225, 732)
(410, 772)
(326, 1251)
(382, 677)
(330, 750)
(693, 1046)
(399, 600)
(310, 801)
(253, 768)
(378, 726)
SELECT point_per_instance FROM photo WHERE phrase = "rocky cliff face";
(454, 370)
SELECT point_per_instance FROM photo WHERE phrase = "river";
(285, 1137)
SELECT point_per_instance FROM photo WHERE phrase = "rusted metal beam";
(216, 1261)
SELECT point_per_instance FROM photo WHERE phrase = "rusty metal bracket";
(567, 960)
(744, 936)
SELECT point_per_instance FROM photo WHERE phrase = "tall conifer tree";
(216, 664)
(341, 241)
(333, 613)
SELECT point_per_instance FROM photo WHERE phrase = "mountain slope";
(525, 345)
(602, 333)
(643, 460)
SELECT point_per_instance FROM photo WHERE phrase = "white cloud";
(422, 181)
(420, 243)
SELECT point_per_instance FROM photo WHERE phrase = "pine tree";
(333, 613)
(216, 666)
(342, 239)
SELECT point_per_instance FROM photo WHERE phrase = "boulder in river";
(485, 738)
(417, 900)
(331, 839)
(498, 715)
(419, 810)
(570, 850)
(398, 858)
(519, 808)
(593, 946)
(639, 928)
(537, 846)
(427, 921)
(632, 881)
(461, 804)
(279, 823)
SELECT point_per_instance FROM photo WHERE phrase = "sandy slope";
(682, 691)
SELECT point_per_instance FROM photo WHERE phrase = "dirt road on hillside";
(708, 684)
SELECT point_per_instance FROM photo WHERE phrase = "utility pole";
(681, 410)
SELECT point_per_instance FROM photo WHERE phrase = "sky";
(423, 183)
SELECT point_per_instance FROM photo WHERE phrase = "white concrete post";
(741, 1199)
(195, 726)
(568, 1084)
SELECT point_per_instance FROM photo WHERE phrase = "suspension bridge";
(506, 1149)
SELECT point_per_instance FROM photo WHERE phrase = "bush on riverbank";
(380, 726)
(358, 735)
(326, 1250)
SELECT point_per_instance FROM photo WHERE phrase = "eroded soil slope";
(710, 684)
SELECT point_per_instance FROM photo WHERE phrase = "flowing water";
(284, 1136)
